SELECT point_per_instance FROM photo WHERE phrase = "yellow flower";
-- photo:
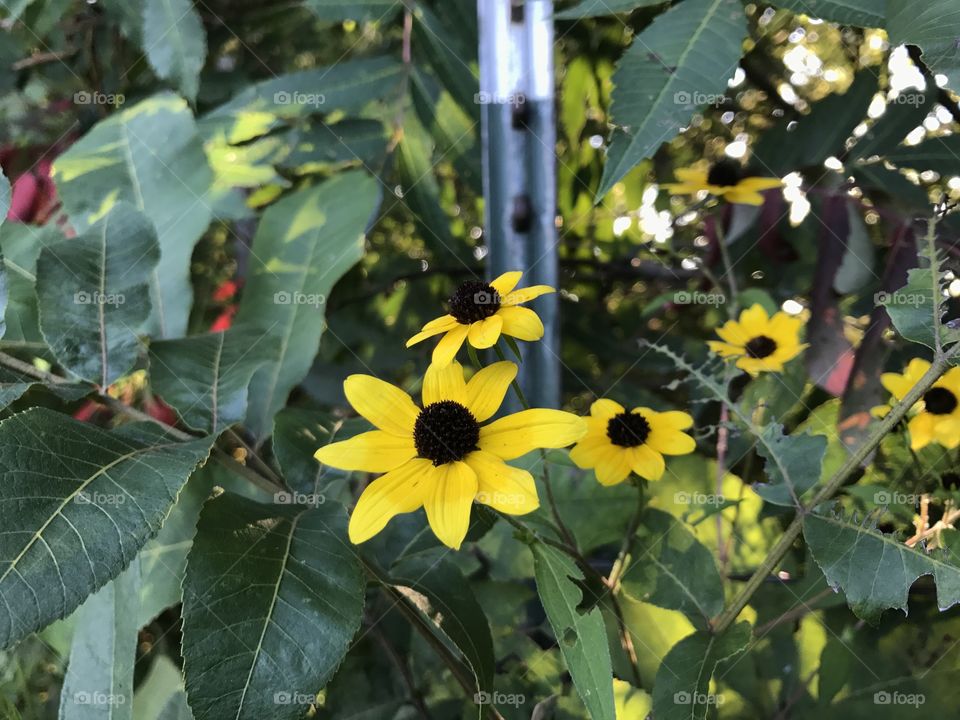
(724, 179)
(762, 343)
(937, 417)
(441, 457)
(618, 441)
(480, 313)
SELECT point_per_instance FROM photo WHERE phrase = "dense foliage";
(225, 221)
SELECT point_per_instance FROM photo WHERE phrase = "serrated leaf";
(205, 377)
(874, 570)
(79, 504)
(581, 636)
(272, 598)
(175, 43)
(686, 54)
(599, 8)
(304, 244)
(21, 245)
(453, 607)
(903, 113)
(99, 679)
(793, 466)
(14, 384)
(934, 26)
(671, 569)
(151, 156)
(814, 137)
(863, 13)
(680, 691)
(93, 295)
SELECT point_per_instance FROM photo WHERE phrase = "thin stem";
(852, 463)
(627, 545)
(727, 266)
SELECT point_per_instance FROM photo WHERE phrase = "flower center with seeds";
(628, 429)
(445, 432)
(725, 173)
(760, 347)
(474, 301)
(940, 401)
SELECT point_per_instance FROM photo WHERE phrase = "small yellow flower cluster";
(936, 416)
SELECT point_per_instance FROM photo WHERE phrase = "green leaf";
(175, 43)
(345, 87)
(21, 245)
(599, 8)
(671, 569)
(681, 690)
(863, 13)
(304, 244)
(451, 57)
(297, 435)
(151, 156)
(808, 141)
(937, 153)
(14, 384)
(366, 11)
(793, 464)
(99, 678)
(349, 141)
(272, 598)
(5, 194)
(205, 377)
(581, 636)
(93, 295)
(79, 504)
(874, 570)
(856, 268)
(681, 59)
(903, 113)
(453, 607)
(934, 26)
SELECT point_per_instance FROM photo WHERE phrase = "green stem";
(733, 305)
(852, 463)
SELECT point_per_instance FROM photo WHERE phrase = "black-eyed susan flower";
(760, 343)
(936, 417)
(442, 457)
(480, 313)
(726, 179)
(618, 441)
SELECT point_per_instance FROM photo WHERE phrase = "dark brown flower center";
(474, 301)
(940, 401)
(760, 347)
(628, 429)
(445, 432)
(725, 173)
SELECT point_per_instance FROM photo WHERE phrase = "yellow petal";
(684, 188)
(486, 389)
(691, 175)
(742, 197)
(448, 506)
(374, 451)
(521, 323)
(434, 327)
(921, 430)
(590, 451)
(606, 409)
(614, 466)
(947, 432)
(444, 383)
(449, 345)
(732, 333)
(506, 282)
(760, 183)
(503, 487)
(675, 420)
(671, 442)
(517, 434)
(755, 366)
(724, 349)
(400, 491)
(484, 334)
(386, 406)
(525, 295)
(754, 320)
(647, 463)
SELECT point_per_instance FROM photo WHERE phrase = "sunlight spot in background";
(792, 307)
(833, 163)
(904, 74)
(658, 224)
(738, 77)
(621, 225)
(738, 148)
(799, 205)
